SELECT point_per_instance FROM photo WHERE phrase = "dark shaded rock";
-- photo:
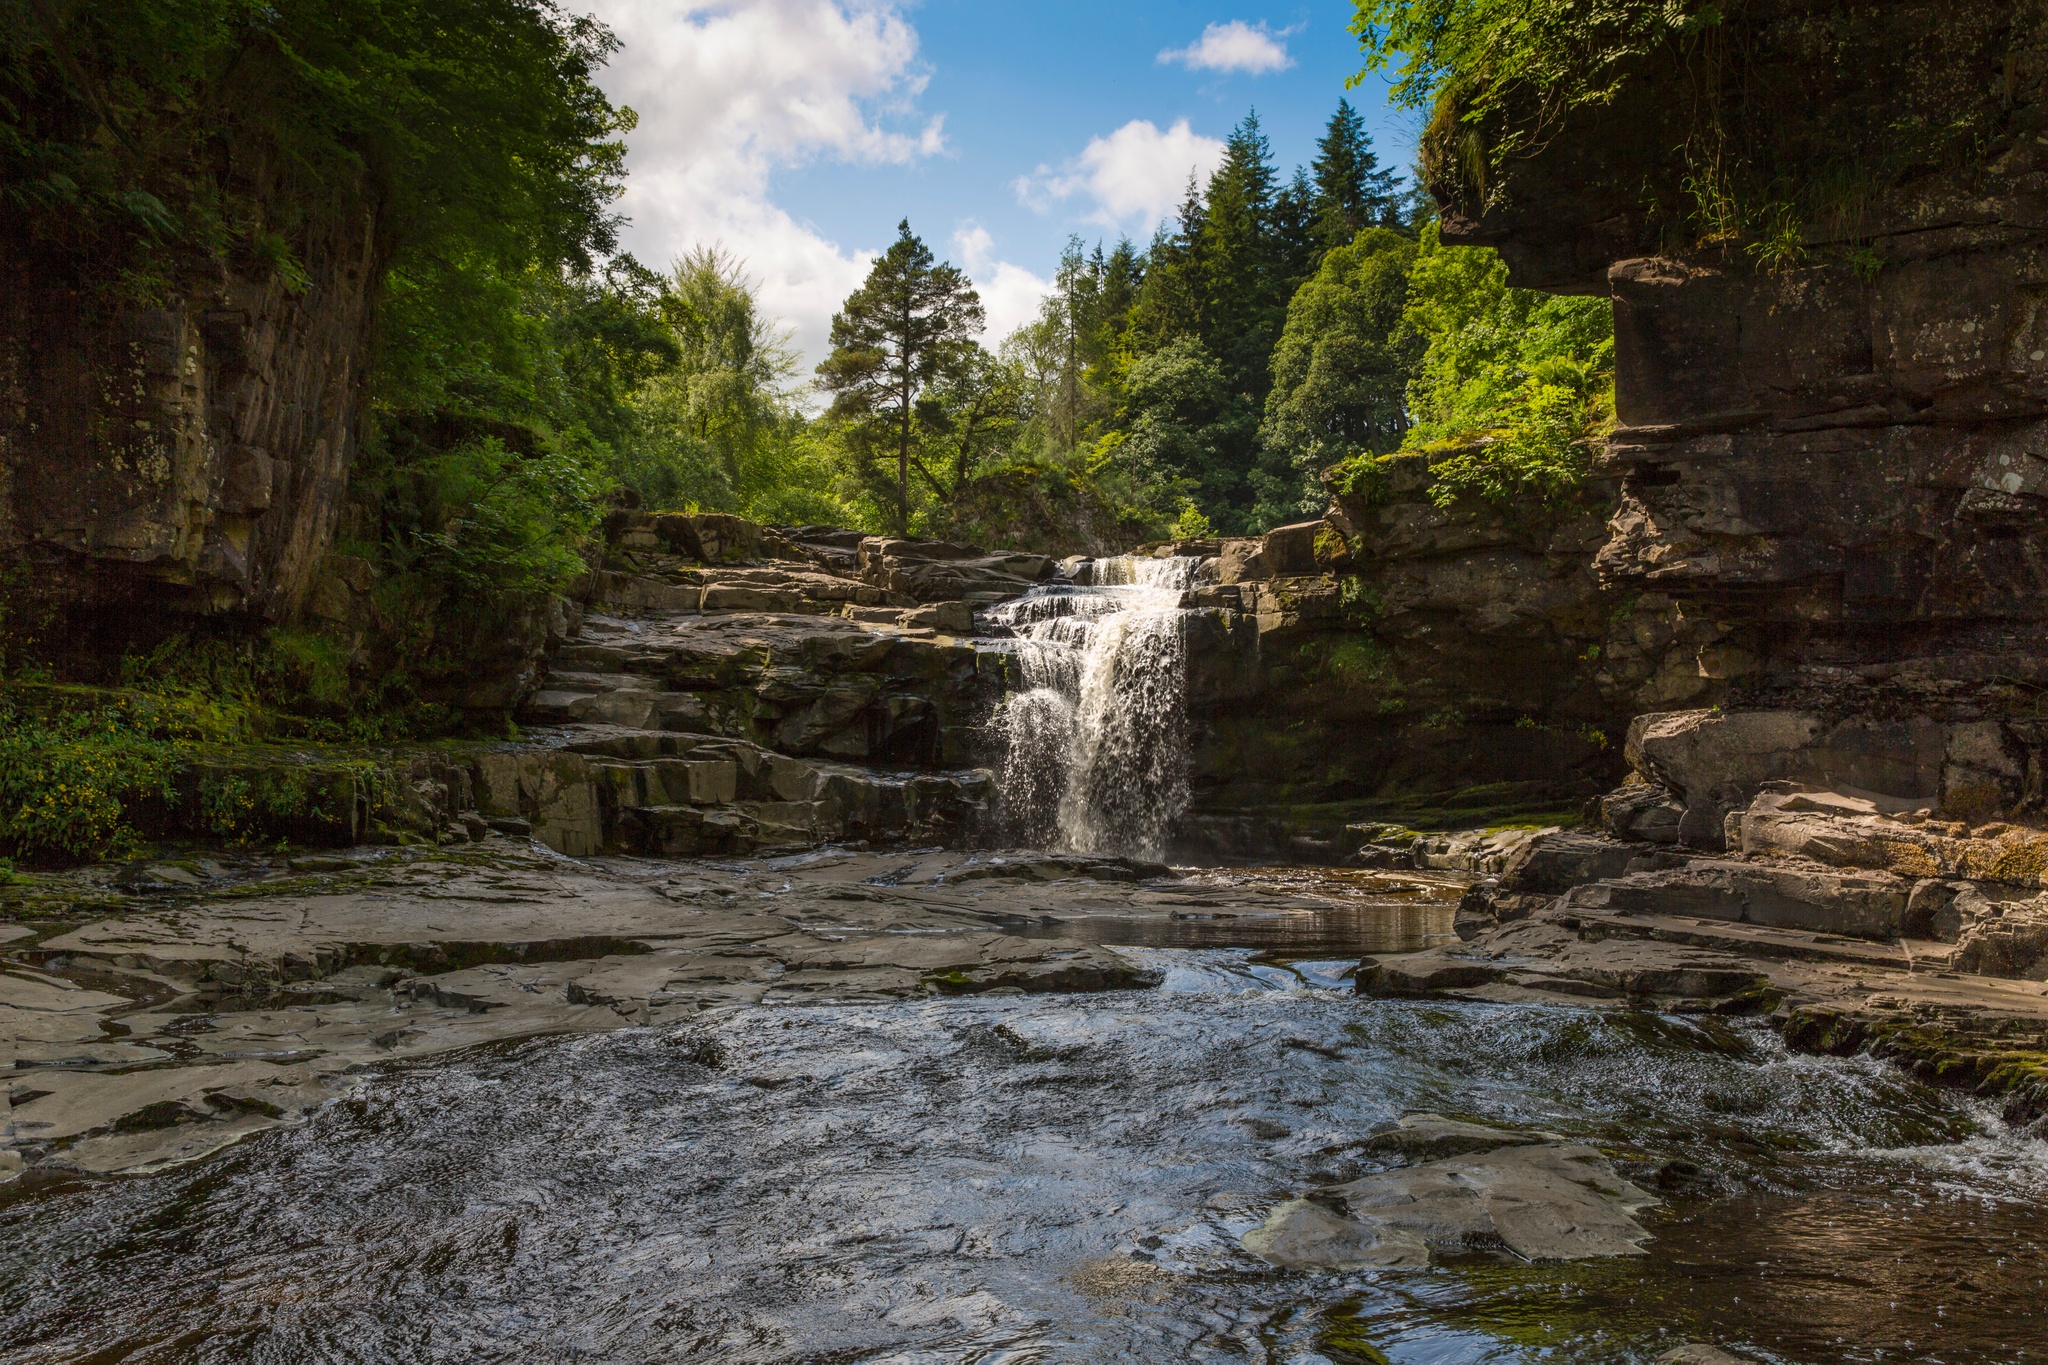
(1829, 464)
(940, 571)
(186, 457)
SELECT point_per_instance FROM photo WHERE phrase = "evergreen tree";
(1296, 241)
(1352, 192)
(1243, 286)
(908, 328)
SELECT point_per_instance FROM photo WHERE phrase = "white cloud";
(1235, 46)
(1136, 176)
(1010, 294)
(728, 91)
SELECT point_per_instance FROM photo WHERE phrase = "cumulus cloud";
(1235, 46)
(1134, 177)
(729, 91)
(1010, 294)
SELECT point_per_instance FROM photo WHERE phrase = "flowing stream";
(1095, 745)
(1046, 1179)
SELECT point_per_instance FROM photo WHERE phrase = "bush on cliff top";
(1783, 124)
(1512, 388)
(1518, 67)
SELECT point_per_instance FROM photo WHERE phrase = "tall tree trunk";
(903, 469)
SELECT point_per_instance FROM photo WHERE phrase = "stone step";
(612, 789)
(824, 686)
(1755, 940)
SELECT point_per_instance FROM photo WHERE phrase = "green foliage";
(132, 130)
(1340, 370)
(1783, 129)
(721, 430)
(1501, 75)
(1512, 385)
(1052, 504)
(1183, 424)
(1352, 192)
(69, 780)
(487, 525)
(1191, 524)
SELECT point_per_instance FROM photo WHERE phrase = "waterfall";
(1095, 746)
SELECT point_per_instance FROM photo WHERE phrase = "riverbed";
(1049, 1178)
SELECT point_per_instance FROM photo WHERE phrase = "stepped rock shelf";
(791, 704)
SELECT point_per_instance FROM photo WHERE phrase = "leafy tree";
(718, 430)
(1340, 371)
(1512, 384)
(966, 421)
(136, 134)
(909, 327)
(1184, 424)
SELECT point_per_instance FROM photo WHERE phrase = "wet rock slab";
(209, 1010)
(1503, 1192)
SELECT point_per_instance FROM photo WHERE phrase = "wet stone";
(1508, 1193)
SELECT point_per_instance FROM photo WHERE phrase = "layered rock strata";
(1439, 666)
(1832, 453)
(1855, 923)
(188, 455)
(154, 1015)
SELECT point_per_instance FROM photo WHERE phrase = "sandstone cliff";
(1832, 446)
(183, 455)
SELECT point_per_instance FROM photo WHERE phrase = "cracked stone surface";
(206, 1009)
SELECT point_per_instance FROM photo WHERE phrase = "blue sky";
(796, 133)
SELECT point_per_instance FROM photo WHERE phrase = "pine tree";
(909, 328)
(1296, 241)
(1244, 282)
(1352, 192)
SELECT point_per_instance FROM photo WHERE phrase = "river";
(1045, 1178)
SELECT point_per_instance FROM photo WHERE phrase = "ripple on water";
(1040, 1179)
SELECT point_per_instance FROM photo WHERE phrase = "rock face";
(1836, 464)
(189, 456)
(1438, 665)
(727, 687)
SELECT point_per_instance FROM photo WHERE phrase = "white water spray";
(1095, 746)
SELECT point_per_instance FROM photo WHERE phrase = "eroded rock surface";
(1505, 1192)
(1857, 952)
(194, 1008)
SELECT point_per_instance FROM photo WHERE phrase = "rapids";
(1047, 1179)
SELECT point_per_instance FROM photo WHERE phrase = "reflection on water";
(1310, 912)
(1044, 1179)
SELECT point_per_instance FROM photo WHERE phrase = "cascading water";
(1095, 745)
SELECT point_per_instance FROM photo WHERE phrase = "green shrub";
(69, 782)
(1513, 386)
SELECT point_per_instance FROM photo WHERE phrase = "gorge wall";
(1404, 662)
(182, 450)
(1832, 448)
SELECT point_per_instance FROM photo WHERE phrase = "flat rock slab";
(1428, 1137)
(1539, 1201)
(247, 1010)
